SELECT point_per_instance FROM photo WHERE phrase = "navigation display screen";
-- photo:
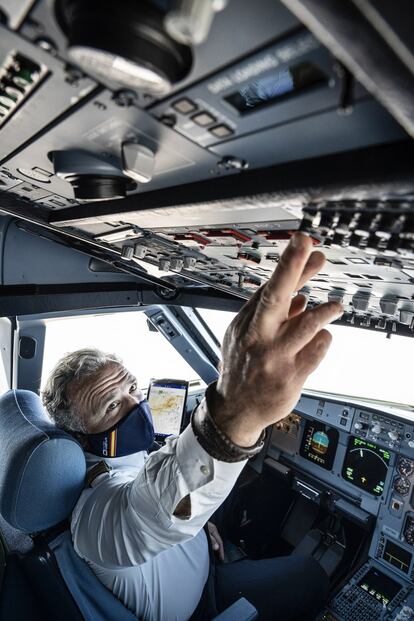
(366, 465)
(379, 586)
(167, 399)
(394, 555)
(319, 444)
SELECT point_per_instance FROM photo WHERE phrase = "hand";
(271, 347)
(216, 540)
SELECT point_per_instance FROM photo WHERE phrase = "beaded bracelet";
(214, 441)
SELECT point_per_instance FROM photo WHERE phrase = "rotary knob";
(389, 306)
(164, 265)
(361, 301)
(189, 263)
(405, 614)
(394, 435)
(376, 428)
(359, 426)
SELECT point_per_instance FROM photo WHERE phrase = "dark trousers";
(286, 588)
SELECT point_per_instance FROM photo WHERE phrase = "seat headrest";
(42, 468)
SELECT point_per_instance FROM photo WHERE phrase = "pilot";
(139, 524)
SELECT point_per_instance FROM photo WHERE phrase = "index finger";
(276, 296)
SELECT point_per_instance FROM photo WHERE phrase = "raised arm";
(269, 349)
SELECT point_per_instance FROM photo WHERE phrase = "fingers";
(216, 540)
(309, 358)
(314, 265)
(220, 548)
(297, 305)
(275, 298)
(302, 329)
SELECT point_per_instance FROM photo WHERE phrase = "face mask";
(133, 433)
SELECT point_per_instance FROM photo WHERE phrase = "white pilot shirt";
(124, 527)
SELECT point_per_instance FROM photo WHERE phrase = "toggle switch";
(336, 295)
(177, 265)
(138, 161)
(127, 252)
(389, 305)
(189, 263)
(376, 428)
(361, 301)
(140, 251)
(164, 265)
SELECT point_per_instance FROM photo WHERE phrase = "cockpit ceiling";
(267, 134)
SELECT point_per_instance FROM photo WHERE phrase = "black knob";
(87, 187)
(393, 242)
(100, 34)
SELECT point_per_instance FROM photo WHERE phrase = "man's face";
(104, 398)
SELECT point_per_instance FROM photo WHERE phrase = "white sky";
(146, 354)
(359, 363)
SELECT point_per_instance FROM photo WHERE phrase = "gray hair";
(75, 365)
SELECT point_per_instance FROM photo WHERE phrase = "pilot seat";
(42, 474)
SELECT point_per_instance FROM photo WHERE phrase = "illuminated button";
(185, 106)
(203, 119)
(343, 421)
(221, 131)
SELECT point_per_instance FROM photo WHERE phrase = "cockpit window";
(146, 354)
(359, 363)
(364, 363)
(217, 321)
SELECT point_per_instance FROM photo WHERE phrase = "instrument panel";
(359, 460)
(326, 440)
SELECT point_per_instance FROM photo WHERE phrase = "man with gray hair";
(140, 523)
(81, 363)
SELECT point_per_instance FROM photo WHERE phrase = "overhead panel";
(206, 183)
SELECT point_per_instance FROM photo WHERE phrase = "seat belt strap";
(100, 468)
(2, 559)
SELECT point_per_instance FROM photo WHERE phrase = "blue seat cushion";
(93, 599)
(42, 468)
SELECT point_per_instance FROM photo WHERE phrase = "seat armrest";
(242, 610)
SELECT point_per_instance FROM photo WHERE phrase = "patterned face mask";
(133, 433)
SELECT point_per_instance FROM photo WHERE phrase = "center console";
(372, 594)
(359, 462)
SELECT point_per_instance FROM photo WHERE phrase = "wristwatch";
(216, 442)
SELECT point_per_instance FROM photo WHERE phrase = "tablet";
(167, 399)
